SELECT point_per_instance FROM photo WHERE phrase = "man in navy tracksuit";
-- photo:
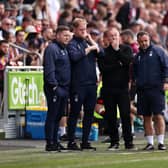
(56, 85)
(83, 82)
(151, 76)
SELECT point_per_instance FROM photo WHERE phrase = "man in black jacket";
(56, 85)
(115, 78)
(129, 13)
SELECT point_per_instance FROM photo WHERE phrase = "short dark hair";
(127, 32)
(18, 31)
(3, 41)
(62, 28)
(142, 33)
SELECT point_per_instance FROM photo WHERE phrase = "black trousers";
(114, 97)
(86, 96)
(56, 109)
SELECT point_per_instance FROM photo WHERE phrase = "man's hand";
(90, 48)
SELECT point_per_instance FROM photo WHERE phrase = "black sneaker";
(64, 137)
(148, 147)
(61, 147)
(73, 146)
(87, 146)
(52, 147)
(161, 147)
(113, 147)
(130, 146)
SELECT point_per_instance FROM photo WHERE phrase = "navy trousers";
(56, 109)
(86, 96)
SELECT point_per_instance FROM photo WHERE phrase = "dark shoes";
(73, 146)
(64, 137)
(83, 146)
(87, 146)
(55, 147)
(130, 146)
(149, 147)
(113, 147)
(161, 147)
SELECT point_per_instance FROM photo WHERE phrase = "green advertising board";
(25, 89)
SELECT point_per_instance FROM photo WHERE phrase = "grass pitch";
(38, 158)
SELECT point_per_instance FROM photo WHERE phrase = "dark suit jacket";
(123, 15)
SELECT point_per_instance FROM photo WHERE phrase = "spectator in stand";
(45, 24)
(165, 19)
(32, 58)
(41, 10)
(2, 10)
(163, 33)
(47, 37)
(151, 76)
(27, 21)
(127, 37)
(4, 51)
(20, 41)
(65, 18)
(26, 13)
(6, 25)
(129, 12)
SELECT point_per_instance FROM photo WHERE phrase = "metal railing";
(28, 52)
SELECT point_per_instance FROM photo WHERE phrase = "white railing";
(28, 52)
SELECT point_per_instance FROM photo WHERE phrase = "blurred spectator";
(47, 37)
(54, 8)
(76, 12)
(38, 25)
(163, 33)
(135, 28)
(129, 12)
(33, 47)
(4, 49)
(6, 25)
(26, 13)
(27, 21)
(65, 18)
(95, 34)
(88, 15)
(165, 19)
(152, 30)
(45, 24)
(127, 37)
(2, 10)
(20, 41)
(41, 10)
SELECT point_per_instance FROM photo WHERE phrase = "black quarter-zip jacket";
(115, 66)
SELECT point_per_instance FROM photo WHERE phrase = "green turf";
(38, 158)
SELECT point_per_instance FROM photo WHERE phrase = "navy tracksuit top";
(56, 65)
(151, 67)
(83, 66)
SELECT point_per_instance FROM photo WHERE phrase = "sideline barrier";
(23, 86)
